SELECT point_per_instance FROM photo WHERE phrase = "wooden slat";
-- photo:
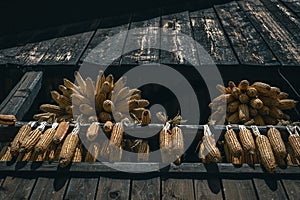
(238, 189)
(208, 32)
(280, 40)
(173, 43)
(177, 189)
(22, 96)
(249, 46)
(17, 188)
(269, 188)
(294, 5)
(141, 37)
(50, 188)
(113, 188)
(10, 55)
(145, 189)
(82, 188)
(209, 188)
(292, 188)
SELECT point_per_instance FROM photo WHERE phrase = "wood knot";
(114, 194)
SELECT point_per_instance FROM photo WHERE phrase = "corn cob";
(44, 116)
(244, 113)
(63, 118)
(134, 97)
(270, 102)
(104, 116)
(92, 132)
(78, 99)
(117, 134)
(81, 83)
(66, 92)
(231, 84)
(270, 120)
(233, 106)
(250, 122)
(259, 121)
(90, 89)
(277, 143)
(273, 93)
(7, 119)
(86, 109)
(264, 110)
(256, 103)
(61, 132)
(221, 88)
(243, 85)
(105, 150)
(265, 150)
(51, 154)
(285, 104)
(251, 92)
(177, 144)
(26, 156)
(282, 95)
(276, 113)
(165, 143)
(253, 112)
(261, 87)
(294, 141)
(99, 99)
(69, 147)
(74, 88)
(15, 144)
(247, 140)
(52, 109)
(7, 155)
(138, 112)
(234, 118)
(235, 92)
(78, 154)
(108, 126)
(93, 153)
(108, 106)
(32, 138)
(244, 98)
(146, 117)
(143, 151)
(46, 139)
(105, 87)
(233, 143)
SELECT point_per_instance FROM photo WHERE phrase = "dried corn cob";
(46, 139)
(277, 143)
(261, 87)
(285, 104)
(7, 119)
(294, 140)
(265, 150)
(15, 144)
(270, 120)
(104, 116)
(233, 106)
(221, 88)
(247, 140)
(270, 102)
(108, 126)
(177, 144)
(244, 98)
(259, 121)
(117, 134)
(81, 83)
(282, 95)
(7, 155)
(61, 132)
(146, 117)
(93, 153)
(233, 143)
(92, 132)
(251, 92)
(165, 143)
(256, 103)
(244, 113)
(78, 154)
(52, 109)
(235, 92)
(234, 118)
(32, 138)
(244, 84)
(69, 147)
(253, 112)
(264, 110)
(108, 106)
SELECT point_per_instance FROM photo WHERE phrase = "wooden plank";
(177, 189)
(209, 188)
(247, 43)
(269, 188)
(10, 55)
(280, 40)
(207, 31)
(22, 96)
(174, 44)
(141, 36)
(82, 188)
(145, 189)
(292, 188)
(238, 189)
(109, 188)
(17, 188)
(50, 188)
(294, 5)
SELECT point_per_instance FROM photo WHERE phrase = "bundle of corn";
(171, 141)
(246, 104)
(208, 151)
(294, 141)
(7, 119)
(107, 100)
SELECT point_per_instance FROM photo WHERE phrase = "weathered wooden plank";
(269, 188)
(294, 5)
(22, 96)
(247, 43)
(177, 189)
(82, 188)
(175, 46)
(209, 188)
(10, 55)
(238, 189)
(109, 188)
(145, 189)
(141, 37)
(50, 188)
(280, 40)
(17, 187)
(292, 188)
(207, 31)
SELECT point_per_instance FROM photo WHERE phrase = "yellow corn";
(262, 88)
(253, 112)
(52, 109)
(15, 144)
(78, 154)
(46, 139)
(108, 126)
(282, 95)
(259, 121)
(251, 92)
(7, 119)
(7, 155)
(294, 141)
(92, 132)
(233, 106)
(177, 144)
(247, 140)
(93, 153)
(285, 104)
(276, 113)
(266, 153)
(146, 117)
(256, 103)
(233, 143)
(270, 102)
(277, 143)
(81, 83)
(165, 143)
(235, 92)
(244, 113)
(244, 98)
(244, 84)
(264, 110)
(86, 109)
(61, 132)
(234, 118)
(211, 153)
(143, 151)
(32, 138)
(108, 106)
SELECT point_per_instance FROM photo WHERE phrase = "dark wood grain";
(209, 188)
(294, 5)
(292, 188)
(269, 188)
(50, 188)
(279, 39)
(249, 46)
(177, 189)
(208, 32)
(17, 187)
(22, 96)
(145, 189)
(82, 188)
(10, 55)
(113, 189)
(238, 189)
